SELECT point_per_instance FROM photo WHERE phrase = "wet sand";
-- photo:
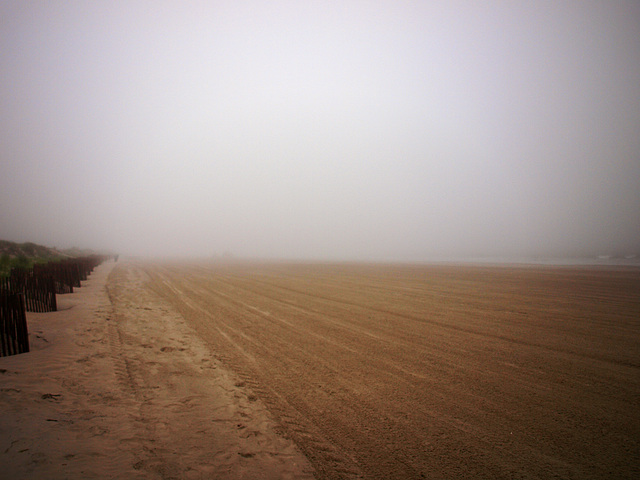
(391, 371)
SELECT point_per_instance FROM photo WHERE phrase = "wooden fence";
(39, 289)
(14, 337)
(34, 290)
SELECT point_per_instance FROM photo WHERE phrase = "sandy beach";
(249, 370)
(127, 390)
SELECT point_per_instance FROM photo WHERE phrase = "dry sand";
(127, 390)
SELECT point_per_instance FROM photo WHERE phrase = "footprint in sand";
(51, 396)
(98, 431)
(246, 432)
(10, 390)
(38, 458)
(40, 336)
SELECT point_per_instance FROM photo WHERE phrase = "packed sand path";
(118, 386)
(175, 370)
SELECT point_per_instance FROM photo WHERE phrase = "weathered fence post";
(14, 336)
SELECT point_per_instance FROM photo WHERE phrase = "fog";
(372, 130)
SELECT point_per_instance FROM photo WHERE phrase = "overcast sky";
(372, 130)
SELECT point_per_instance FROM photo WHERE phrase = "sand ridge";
(118, 386)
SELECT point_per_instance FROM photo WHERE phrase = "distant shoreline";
(486, 261)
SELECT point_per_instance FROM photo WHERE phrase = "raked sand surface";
(128, 390)
(212, 370)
